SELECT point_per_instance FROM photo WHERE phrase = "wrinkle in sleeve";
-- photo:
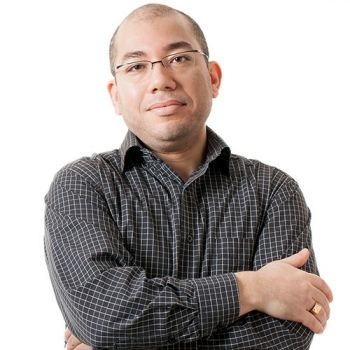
(286, 229)
(219, 304)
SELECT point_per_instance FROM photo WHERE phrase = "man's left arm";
(285, 231)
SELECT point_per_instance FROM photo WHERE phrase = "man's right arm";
(105, 298)
(259, 291)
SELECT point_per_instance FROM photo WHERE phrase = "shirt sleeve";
(106, 300)
(285, 230)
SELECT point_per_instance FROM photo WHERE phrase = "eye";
(137, 67)
(181, 59)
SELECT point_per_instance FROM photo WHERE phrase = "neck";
(185, 161)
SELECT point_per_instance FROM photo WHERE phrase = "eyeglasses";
(176, 62)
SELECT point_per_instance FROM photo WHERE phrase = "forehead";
(154, 36)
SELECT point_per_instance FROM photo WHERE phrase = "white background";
(285, 100)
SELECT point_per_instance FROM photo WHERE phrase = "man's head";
(148, 13)
(168, 109)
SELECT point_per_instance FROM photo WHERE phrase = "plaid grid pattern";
(140, 260)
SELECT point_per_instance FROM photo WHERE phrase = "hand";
(280, 289)
(72, 343)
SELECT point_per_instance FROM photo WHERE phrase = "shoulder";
(264, 177)
(260, 169)
(91, 169)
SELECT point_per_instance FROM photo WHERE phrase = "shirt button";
(171, 340)
(189, 238)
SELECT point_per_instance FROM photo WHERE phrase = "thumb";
(299, 259)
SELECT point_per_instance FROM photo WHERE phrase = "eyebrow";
(178, 45)
(170, 47)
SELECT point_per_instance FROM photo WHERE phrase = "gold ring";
(316, 308)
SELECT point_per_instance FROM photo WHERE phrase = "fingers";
(319, 297)
(316, 323)
(318, 293)
(321, 285)
(322, 295)
(315, 292)
(73, 343)
(320, 314)
(67, 334)
(83, 347)
(299, 259)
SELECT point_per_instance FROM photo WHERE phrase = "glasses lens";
(136, 70)
(179, 61)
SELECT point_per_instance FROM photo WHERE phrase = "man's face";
(168, 110)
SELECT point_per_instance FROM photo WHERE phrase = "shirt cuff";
(218, 302)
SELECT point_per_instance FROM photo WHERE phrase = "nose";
(161, 78)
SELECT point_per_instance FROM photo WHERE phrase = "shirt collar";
(132, 150)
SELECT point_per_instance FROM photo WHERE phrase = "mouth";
(165, 104)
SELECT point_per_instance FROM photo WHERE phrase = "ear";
(215, 76)
(113, 93)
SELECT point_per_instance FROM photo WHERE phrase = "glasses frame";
(160, 61)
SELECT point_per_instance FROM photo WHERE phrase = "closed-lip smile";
(164, 104)
(166, 108)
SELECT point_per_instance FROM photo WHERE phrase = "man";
(172, 241)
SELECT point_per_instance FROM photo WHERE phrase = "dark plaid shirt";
(141, 260)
